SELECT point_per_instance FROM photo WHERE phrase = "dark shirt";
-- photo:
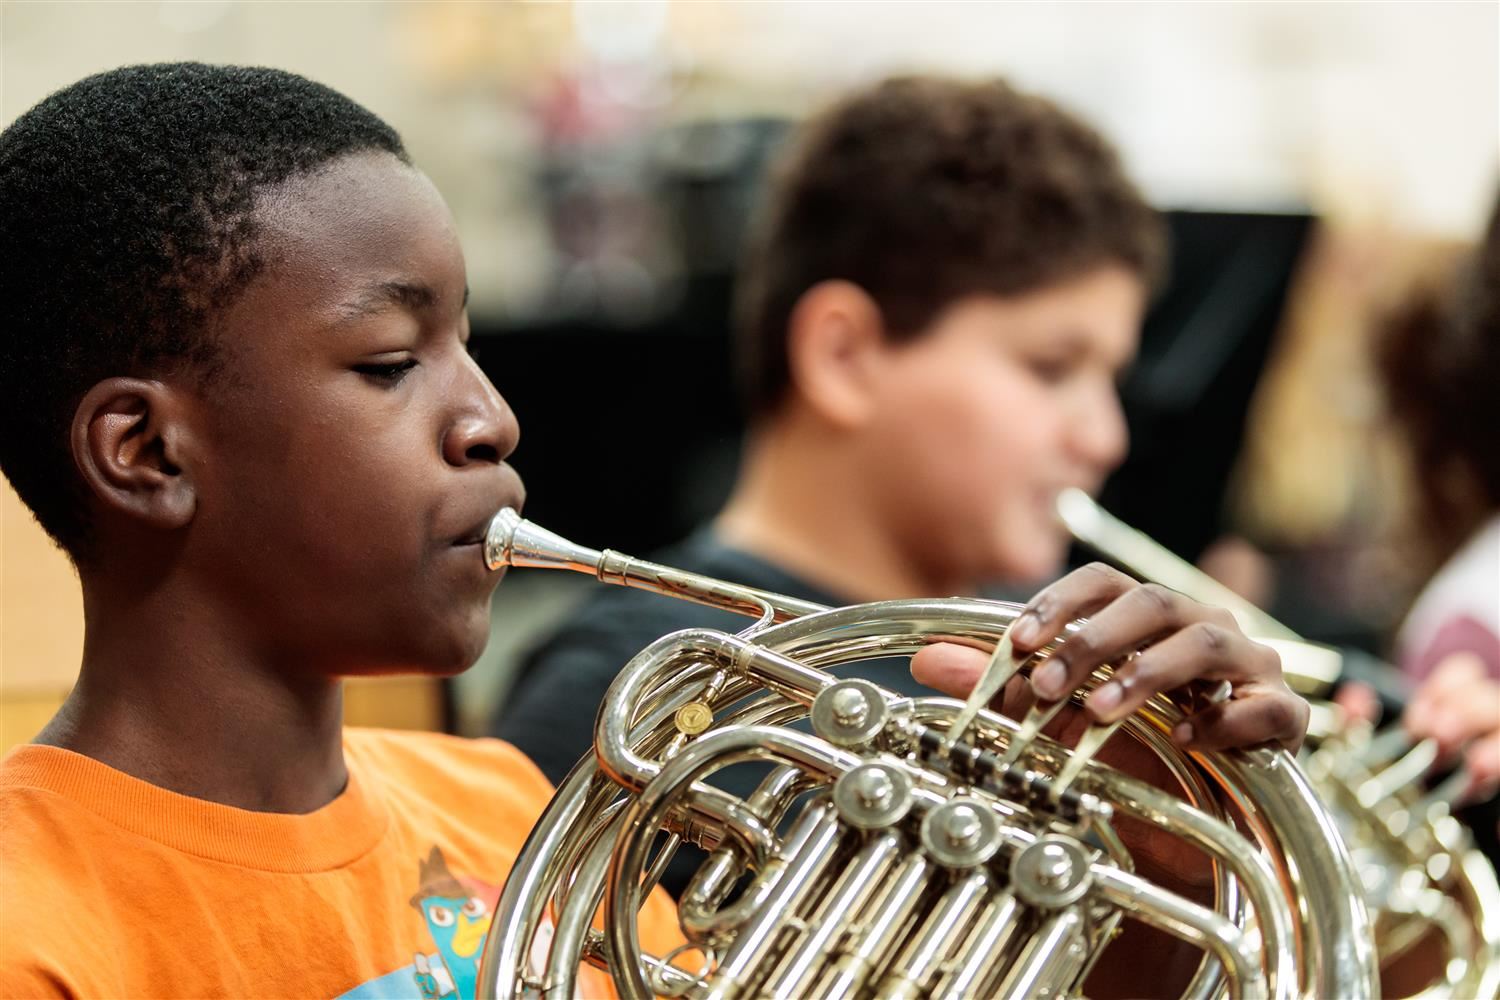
(550, 712)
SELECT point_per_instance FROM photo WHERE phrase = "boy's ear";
(128, 436)
(835, 340)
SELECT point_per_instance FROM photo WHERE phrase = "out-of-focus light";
(621, 32)
(642, 85)
(188, 16)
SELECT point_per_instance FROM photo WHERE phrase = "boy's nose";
(485, 430)
(1100, 435)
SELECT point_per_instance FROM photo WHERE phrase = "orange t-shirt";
(113, 887)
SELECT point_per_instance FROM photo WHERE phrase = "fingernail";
(1105, 699)
(1183, 733)
(1049, 679)
(1025, 628)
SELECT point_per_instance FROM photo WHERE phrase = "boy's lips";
(475, 535)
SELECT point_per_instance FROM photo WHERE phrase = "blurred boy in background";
(946, 283)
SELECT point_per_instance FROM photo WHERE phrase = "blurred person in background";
(1440, 362)
(946, 284)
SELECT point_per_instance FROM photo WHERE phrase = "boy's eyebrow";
(379, 297)
(1076, 343)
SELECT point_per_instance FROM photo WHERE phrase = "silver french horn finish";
(1426, 885)
(884, 855)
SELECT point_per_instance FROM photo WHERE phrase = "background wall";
(1363, 111)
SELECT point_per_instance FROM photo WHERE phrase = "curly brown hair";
(1439, 358)
(923, 190)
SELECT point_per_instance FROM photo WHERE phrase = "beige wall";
(41, 624)
(41, 612)
(1388, 109)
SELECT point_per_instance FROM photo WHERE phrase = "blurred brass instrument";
(896, 851)
(1434, 898)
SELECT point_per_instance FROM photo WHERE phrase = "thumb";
(949, 667)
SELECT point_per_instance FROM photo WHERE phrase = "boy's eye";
(387, 372)
(1051, 371)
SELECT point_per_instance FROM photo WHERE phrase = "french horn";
(1433, 897)
(895, 851)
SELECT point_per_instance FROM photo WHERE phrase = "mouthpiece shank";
(511, 540)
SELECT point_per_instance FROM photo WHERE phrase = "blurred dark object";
(1203, 347)
(629, 438)
(631, 432)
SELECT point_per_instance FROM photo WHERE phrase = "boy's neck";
(797, 503)
(168, 699)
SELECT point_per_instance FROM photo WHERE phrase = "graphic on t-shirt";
(457, 912)
(458, 919)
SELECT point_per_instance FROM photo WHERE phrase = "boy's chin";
(416, 666)
(449, 668)
(462, 659)
(447, 657)
(1034, 564)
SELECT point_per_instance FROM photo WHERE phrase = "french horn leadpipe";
(1428, 889)
(883, 854)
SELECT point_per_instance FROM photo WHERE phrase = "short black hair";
(126, 225)
(922, 190)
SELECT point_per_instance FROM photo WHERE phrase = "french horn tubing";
(890, 852)
(1426, 885)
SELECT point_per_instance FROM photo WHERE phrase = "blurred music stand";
(1204, 346)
